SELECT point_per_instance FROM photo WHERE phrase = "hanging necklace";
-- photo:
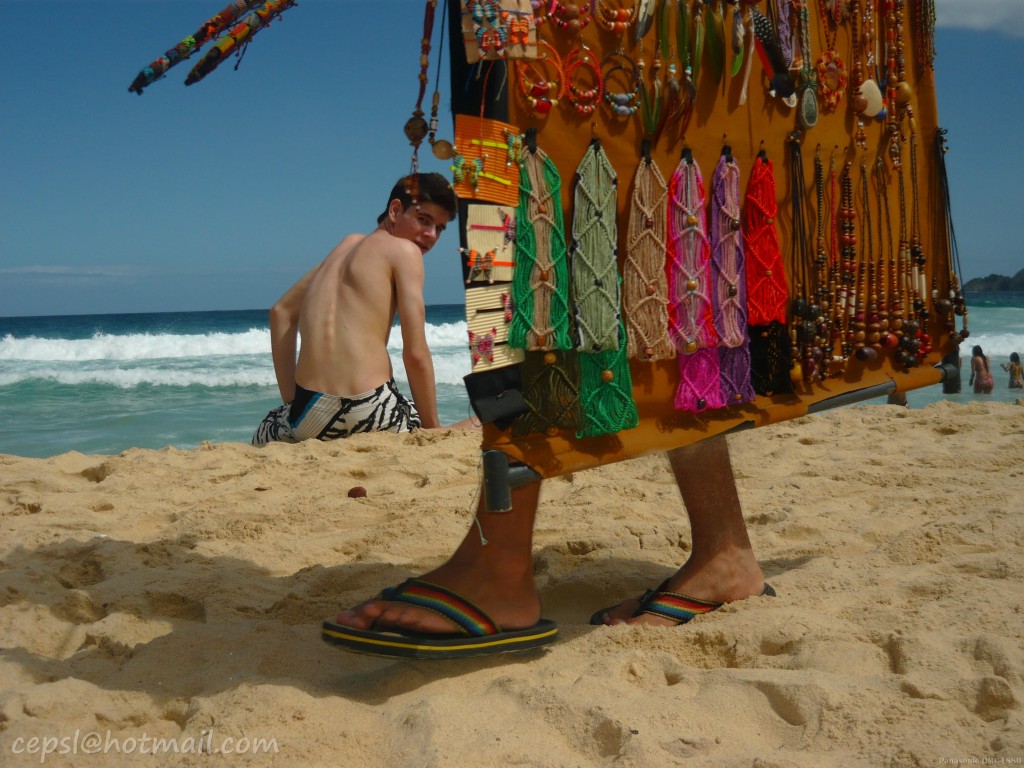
(869, 323)
(615, 20)
(917, 257)
(570, 15)
(848, 288)
(807, 117)
(803, 325)
(442, 148)
(954, 305)
(924, 40)
(832, 77)
(416, 128)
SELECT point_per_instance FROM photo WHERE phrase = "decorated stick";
(209, 30)
(237, 36)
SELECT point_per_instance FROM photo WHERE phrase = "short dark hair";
(423, 188)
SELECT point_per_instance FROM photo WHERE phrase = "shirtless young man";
(343, 309)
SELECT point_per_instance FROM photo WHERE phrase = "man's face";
(422, 223)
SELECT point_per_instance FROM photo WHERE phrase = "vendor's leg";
(721, 566)
(497, 576)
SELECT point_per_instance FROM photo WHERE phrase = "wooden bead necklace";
(917, 257)
(571, 16)
(416, 127)
(615, 20)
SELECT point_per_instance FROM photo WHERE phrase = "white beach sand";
(178, 594)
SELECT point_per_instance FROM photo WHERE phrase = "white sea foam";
(183, 360)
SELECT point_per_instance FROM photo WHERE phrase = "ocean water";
(106, 383)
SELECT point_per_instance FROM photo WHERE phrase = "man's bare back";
(347, 313)
(344, 309)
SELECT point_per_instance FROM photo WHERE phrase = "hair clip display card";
(488, 312)
(498, 29)
(489, 255)
(485, 166)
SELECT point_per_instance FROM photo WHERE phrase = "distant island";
(996, 283)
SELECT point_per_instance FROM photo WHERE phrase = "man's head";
(419, 208)
(423, 188)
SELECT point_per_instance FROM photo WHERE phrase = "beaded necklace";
(805, 313)
(441, 148)
(917, 257)
(848, 268)
(416, 128)
(615, 20)
(571, 16)
(644, 285)
(832, 77)
(924, 41)
(867, 99)
(890, 310)
(807, 117)
(729, 279)
(691, 318)
(869, 330)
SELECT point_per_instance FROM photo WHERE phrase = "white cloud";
(65, 271)
(1006, 16)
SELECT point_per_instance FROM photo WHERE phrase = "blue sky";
(221, 194)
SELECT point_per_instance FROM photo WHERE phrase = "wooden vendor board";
(870, 298)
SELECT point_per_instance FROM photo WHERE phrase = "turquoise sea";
(106, 383)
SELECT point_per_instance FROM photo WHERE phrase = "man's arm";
(419, 366)
(284, 334)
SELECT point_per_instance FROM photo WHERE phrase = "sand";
(177, 595)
